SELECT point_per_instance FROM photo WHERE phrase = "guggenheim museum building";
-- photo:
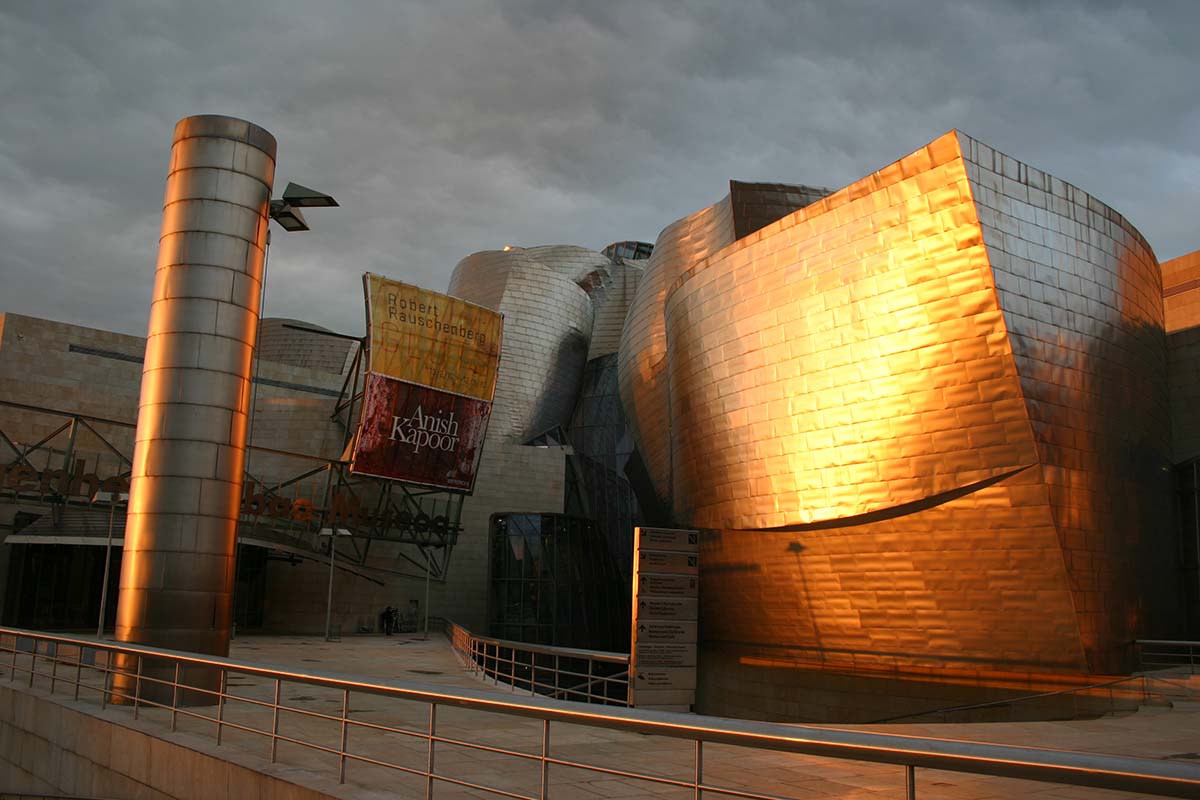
(935, 428)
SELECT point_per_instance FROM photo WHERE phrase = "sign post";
(666, 580)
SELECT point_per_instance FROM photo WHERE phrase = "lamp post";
(112, 498)
(286, 212)
(331, 533)
(428, 569)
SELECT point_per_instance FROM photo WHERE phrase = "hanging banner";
(432, 361)
(419, 435)
(431, 339)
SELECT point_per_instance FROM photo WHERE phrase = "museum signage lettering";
(432, 362)
(345, 508)
(76, 483)
(419, 435)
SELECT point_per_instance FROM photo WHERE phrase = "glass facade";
(602, 443)
(1187, 516)
(554, 581)
(633, 251)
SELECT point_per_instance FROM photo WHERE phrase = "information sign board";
(664, 654)
(670, 562)
(669, 585)
(681, 608)
(666, 569)
(664, 678)
(670, 539)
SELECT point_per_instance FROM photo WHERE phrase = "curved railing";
(87, 667)
(564, 673)
(1168, 654)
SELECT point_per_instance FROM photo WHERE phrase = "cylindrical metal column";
(177, 573)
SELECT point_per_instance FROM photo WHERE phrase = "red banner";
(420, 435)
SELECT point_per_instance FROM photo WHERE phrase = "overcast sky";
(449, 127)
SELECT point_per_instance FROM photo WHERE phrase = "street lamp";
(331, 533)
(112, 498)
(286, 211)
(298, 196)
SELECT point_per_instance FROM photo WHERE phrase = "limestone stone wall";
(48, 748)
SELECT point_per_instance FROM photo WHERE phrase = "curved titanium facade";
(643, 380)
(926, 420)
(178, 569)
(547, 330)
(643, 359)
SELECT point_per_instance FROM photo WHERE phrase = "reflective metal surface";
(643, 359)
(644, 355)
(178, 569)
(547, 329)
(925, 416)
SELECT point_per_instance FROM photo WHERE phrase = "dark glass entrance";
(554, 581)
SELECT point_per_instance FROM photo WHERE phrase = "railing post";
(104, 675)
(137, 688)
(174, 697)
(910, 782)
(220, 704)
(275, 723)
(545, 764)
(590, 694)
(78, 671)
(342, 754)
(12, 670)
(32, 662)
(429, 759)
(698, 777)
(53, 670)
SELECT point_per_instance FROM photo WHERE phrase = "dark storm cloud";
(445, 128)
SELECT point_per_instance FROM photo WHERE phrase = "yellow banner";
(432, 339)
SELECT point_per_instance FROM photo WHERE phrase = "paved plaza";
(1158, 732)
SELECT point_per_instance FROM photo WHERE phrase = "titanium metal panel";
(643, 360)
(1081, 293)
(643, 349)
(548, 323)
(925, 419)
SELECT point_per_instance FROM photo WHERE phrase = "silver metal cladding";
(178, 568)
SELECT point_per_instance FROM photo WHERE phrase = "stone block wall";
(50, 749)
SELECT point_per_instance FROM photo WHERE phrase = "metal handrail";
(1178, 653)
(1163, 778)
(1142, 694)
(546, 649)
(522, 669)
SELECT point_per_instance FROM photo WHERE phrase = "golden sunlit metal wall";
(643, 379)
(925, 418)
